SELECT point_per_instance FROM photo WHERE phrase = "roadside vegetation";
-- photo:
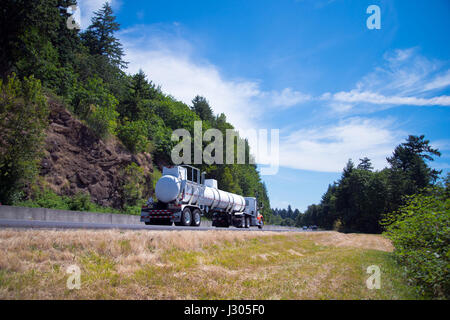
(361, 198)
(198, 265)
(46, 198)
(420, 232)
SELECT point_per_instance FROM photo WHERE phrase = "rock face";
(77, 161)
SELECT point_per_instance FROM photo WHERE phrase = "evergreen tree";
(100, 39)
(23, 119)
(201, 107)
(365, 164)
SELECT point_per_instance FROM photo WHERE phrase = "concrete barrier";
(43, 214)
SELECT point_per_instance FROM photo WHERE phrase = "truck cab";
(252, 210)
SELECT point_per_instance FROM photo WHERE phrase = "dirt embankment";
(77, 161)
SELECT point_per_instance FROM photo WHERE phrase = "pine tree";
(365, 164)
(202, 108)
(100, 39)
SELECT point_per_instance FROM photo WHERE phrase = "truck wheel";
(247, 222)
(196, 218)
(186, 217)
(243, 223)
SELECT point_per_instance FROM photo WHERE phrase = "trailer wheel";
(243, 222)
(186, 217)
(247, 222)
(196, 218)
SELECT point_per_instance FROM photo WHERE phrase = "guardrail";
(43, 214)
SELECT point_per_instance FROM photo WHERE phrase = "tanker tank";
(173, 186)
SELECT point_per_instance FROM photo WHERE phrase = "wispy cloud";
(356, 96)
(406, 78)
(172, 62)
(327, 148)
(287, 98)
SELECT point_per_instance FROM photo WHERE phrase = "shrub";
(132, 210)
(102, 120)
(23, 119)
(420, 232)
(80, 202)
(154, 177)
(133, 186)
(134, 136)
(44, 198)
(97, 106)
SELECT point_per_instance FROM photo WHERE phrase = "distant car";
(305, 227)
(313, 227)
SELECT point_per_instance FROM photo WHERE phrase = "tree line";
(85, 71)
(359, 200)
(285, 217)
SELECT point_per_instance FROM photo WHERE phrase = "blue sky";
(310, 68)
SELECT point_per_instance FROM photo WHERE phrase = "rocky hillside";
(77, 161)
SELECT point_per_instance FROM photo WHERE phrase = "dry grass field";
(196, 265)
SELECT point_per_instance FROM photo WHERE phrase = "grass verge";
(197, 265)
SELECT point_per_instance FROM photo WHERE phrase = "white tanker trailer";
(184, 196)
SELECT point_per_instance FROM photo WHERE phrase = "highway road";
(35, 224)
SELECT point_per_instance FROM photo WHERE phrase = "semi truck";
(184, 196)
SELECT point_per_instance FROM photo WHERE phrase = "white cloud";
(288, 98)
(328, 148)
(169, 60)
(407, 78)
(356, 96)
(439, 82)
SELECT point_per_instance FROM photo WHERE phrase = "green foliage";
(420, 232)
(100, 39)
(80, 202)
(286, 217)
(362, 196)
(43, 197)
(102, 120)
(23, 118)
(134, 136)
(133, 186)
(97, 106)
(201, 107)
(154, 177)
